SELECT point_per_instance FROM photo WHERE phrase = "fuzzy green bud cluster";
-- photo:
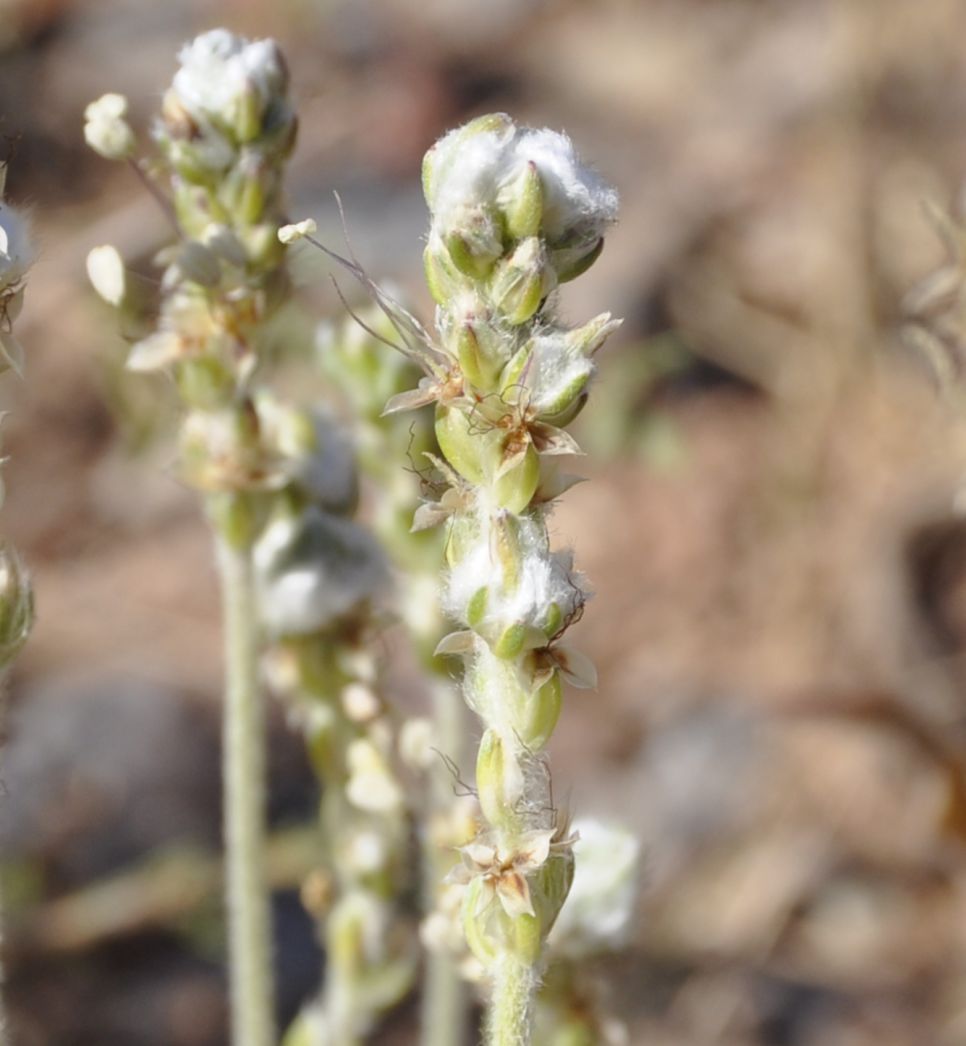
(226, 128)
(514, 214)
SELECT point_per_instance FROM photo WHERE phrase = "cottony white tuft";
(575, 198)
(598, 913)
(222, 73)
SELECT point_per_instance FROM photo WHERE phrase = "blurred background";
(770, 527)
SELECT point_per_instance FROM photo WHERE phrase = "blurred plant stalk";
(354, 357)
(514, 214)
(225, 132)
(16, 593)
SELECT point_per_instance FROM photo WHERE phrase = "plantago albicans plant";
(225, 132)
(16, 597)
(514, 214)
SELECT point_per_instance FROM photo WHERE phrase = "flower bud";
(106, 130)
(522, 281)
(484, 454)
(416, 738)
(486, 137)
(576, 203)
(292, 233)
(522, 201)
(16, 603)
(499, 777)
(573, 261)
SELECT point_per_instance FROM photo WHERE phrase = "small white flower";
(106, 129)
(292, 233)
(366, 852)
(371, 785)
(105, 270)
(360, 702)
(416, 743)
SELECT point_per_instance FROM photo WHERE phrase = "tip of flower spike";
(292, 233)
(105, 270)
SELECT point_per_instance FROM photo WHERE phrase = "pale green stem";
(444, 992)
(243, 757)
(444, 1003)
(510, 1014)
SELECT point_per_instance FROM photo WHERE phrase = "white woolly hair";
(553, 367)
(545, 577)
(597, 915)
(313, 569)
(466, 173)
(576, 199)
(16, 248)
(326, 471)
(218, 66)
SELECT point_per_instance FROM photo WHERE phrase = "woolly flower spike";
(514, 213)
(106, 129)
(597, 915)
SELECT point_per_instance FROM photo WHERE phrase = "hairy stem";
(510, 1015)
(244, 798)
